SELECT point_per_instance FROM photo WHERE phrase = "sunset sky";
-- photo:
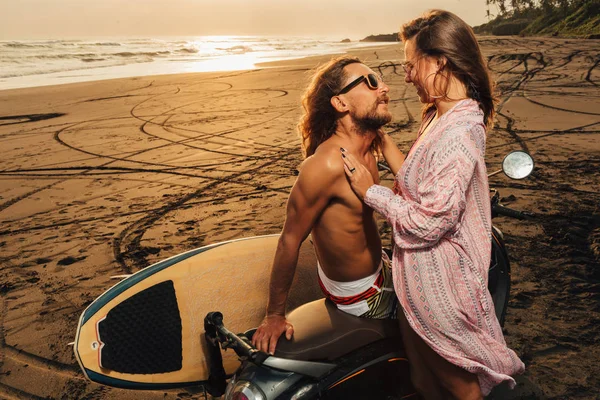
(37, 19)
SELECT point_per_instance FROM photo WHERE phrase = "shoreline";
(244, 62)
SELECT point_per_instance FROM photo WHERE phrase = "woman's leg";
(446, 377)
(460, 383)
(421, 376)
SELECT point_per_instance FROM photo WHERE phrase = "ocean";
(27, 63)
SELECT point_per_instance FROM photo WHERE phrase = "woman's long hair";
(440, 33)
(319, 120)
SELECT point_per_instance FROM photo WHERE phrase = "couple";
(439, 210)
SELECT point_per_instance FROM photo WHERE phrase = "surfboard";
(147, 331)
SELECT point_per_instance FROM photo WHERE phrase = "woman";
(440, 212)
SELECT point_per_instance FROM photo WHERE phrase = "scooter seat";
(323, 332)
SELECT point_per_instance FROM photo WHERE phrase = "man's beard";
(373, 120)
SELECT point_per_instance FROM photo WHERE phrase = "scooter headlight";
(243, 390)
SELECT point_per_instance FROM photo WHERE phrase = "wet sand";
(104, 178)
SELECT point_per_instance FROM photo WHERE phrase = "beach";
(104, 178)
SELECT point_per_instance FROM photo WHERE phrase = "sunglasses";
(372, 81)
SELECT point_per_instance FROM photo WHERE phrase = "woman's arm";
(441, 194)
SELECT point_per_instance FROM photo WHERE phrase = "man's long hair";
(319, 120)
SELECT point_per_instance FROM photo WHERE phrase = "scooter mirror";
(517, 165)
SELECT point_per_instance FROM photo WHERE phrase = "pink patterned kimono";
(441, 219)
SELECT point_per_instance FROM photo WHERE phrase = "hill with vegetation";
(567, 18)
(386, 37)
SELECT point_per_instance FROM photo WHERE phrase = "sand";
(104, 178)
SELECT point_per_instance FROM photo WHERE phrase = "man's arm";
(309, 196)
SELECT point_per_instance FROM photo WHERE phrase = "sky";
(354, 19)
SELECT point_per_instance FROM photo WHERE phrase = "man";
(345, 106)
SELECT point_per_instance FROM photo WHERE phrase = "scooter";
(334, 355)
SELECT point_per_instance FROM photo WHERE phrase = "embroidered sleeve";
(441, 193)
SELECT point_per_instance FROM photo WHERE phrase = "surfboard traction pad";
(151, 342)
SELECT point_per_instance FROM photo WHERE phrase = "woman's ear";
(441, 63)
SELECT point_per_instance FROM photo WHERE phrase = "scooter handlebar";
(230, 339)
(215, 318)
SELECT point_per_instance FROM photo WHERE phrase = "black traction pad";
(142, 335)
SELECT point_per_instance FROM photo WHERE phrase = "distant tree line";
(518, 8)
(573, 18)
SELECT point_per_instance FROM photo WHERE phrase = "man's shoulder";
(326, 162)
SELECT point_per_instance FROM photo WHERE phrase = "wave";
(57, 43)
(86, 57)
(44, 44)
(236, 49)
(188, 50)
(62, 56)
(20, 45)
(141, 53)
(110, 44)
(92, 59)
(46, 71)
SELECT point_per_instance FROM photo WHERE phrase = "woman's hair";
(440, 33)
(319, 120)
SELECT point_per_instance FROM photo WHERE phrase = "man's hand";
(266, 336)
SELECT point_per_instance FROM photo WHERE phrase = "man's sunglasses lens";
(373, 81)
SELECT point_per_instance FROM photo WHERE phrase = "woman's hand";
(359, 176)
